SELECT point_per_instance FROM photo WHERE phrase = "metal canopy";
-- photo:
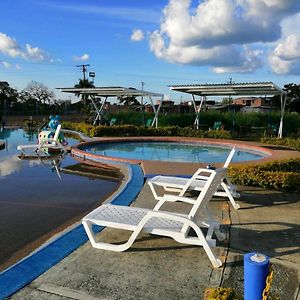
(232, 89)
(229, 89)
(114, 91)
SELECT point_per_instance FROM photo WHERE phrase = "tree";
(8, 97)
(40, 93)
(293, 97)
(129, 101)
(83, 83)
(293, 94)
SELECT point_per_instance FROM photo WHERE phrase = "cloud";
(83, 57)
(225, 34)
(5, 64)
(137, 35)
(285, 58)
(10, 47)
(127, 13)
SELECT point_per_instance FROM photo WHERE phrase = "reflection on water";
(170, 151)
(34, 201)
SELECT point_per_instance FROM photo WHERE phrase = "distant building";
(253, 104)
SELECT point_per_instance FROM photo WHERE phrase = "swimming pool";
(170, 151)
(35, 203)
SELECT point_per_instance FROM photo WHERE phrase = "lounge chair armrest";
(172, 198)
(175, 198)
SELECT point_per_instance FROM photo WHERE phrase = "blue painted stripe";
(25, 271)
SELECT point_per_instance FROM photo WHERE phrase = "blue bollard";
(256, 270)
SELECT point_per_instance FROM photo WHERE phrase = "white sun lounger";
(164, 223)
(52, 144)
(196, 182)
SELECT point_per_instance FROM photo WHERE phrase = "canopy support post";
(197, 109)
(98, 111)
(283, 99)
(156, 111)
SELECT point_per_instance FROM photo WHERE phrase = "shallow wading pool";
(169, 151)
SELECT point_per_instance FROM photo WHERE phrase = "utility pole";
(83, 70)
(142, 104)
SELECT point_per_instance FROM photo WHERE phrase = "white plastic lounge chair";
(52, 144)
(181, 185)
(164, 223)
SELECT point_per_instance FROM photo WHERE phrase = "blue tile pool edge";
(23, 272)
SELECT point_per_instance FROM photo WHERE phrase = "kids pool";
(169, 151)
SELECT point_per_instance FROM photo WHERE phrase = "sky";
(158, 42)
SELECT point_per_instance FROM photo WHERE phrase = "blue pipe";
(256, 269)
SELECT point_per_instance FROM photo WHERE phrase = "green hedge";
(293, 143)
(278, 175)
(132, 130)
(231, 120)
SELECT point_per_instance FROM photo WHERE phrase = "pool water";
(35, 201)
(170, 151)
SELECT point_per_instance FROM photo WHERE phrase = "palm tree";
(83, 83)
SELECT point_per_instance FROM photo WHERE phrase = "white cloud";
(285, 58)
(5, 64)
(10, 47)
(83, 57)
(224, 34)
(137, 35)
(35, 53)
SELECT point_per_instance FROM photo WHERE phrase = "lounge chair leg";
(225, 187)
(107, 246)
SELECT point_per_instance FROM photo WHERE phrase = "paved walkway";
(160, 268)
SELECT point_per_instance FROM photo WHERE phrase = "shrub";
(278, 175)
(223, 294)
(293, 143)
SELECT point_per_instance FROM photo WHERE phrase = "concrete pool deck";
(160, 268)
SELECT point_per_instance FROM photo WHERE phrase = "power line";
(83, 70)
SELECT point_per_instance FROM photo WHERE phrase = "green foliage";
(84, 128)
(132, 130)
(293, 143)
(223, 294)
(278, 175)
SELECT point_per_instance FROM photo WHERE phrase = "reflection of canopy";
(115, 91)
(232, 89)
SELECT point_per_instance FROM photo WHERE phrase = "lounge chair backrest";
(197, 176)
(57, 132)
(210, 187)
(229, 158)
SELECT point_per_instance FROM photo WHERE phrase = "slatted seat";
(196, 183)
(159, 222)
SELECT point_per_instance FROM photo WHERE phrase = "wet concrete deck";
(160, 268)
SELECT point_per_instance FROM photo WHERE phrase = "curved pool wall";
(80, 151)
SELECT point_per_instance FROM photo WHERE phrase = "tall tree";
(40, 93)
(293, 97)
(83, 83)
(8, 97)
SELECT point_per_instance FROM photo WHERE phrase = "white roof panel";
(115, 91)
(228, 89)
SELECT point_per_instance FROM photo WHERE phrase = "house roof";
(229, 89)
(113, 91)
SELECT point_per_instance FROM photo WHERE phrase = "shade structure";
(233, 89)
(113, 91)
